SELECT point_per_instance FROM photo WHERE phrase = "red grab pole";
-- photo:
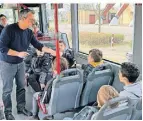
(24, 6)
(57, 38)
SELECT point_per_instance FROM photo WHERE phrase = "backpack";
(86, 113)
(43, 63)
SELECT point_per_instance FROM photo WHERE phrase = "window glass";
(108, 27)
(36, 15)
(9, 14)
(64, 19)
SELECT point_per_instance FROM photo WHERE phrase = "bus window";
(9, 15)
(108, 27)
(64, 19)
(36, 15)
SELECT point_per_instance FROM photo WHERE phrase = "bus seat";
(121, 112)
(95, 80)
(66, 92)
(116, 82)
(137, 110)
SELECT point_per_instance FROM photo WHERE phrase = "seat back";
(95, 80)
(137, 110)
(116, 82)
(66, 91)
(120, 112)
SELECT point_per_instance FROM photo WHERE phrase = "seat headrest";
(103, 67)
(69, 72)
(125, 100)
(123, 109)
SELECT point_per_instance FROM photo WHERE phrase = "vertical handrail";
(24, 6)
(57, 38)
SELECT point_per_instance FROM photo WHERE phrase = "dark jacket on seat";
(41, 66)
(88, 69)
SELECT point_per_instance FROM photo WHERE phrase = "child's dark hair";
(130, 71)
(96, 54)
(2, 15)
(61, 41)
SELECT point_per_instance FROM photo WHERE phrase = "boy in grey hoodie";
(128, 76)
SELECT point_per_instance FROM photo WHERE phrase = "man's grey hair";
(23, 13)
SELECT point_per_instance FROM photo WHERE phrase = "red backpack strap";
(42, 106)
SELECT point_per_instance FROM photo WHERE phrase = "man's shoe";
(9, 116)
(25, 112)
(34, 118)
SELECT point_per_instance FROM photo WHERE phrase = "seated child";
(128, 75)
(39, 72)
(106, 93)
(94, 60)
(48, 88)
(67, 53)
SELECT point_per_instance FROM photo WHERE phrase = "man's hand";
(52, 52)
(49, 50)
(42, 86)
(18, 54)
(22, 54)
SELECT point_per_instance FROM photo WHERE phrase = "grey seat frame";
(57, 93)
(137, 110)
(125, 108)
(95, 80)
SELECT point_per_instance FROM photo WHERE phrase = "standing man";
(3, 22)
(14, 41)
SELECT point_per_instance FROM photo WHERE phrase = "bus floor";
(13, 98)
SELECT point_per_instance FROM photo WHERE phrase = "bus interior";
(84, 27)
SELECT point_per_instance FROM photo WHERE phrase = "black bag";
(43, 63)
(86, 113)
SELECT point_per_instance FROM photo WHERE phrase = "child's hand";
(42, 86)
(61, 53)
(26, 75)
